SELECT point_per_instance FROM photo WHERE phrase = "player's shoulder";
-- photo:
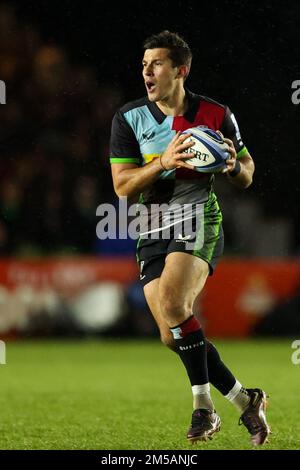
(131, 105)
(207, 99)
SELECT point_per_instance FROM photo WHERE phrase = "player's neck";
(175, 105)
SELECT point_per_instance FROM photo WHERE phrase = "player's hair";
(180, 52)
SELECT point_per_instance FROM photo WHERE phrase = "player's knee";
(173, 310)
(173, 307)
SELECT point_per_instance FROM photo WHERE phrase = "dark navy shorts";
(207, 244)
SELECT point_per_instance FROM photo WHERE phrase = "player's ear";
(183, 71)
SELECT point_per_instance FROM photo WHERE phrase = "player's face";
(159, 74)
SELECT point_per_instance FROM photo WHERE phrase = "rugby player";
(148, 155)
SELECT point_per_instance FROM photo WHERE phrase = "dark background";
(246, 55)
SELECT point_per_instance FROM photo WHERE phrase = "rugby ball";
(211, 152)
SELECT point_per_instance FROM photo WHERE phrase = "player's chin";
(153, 97)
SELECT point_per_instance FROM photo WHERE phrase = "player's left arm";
(240, 166)
(239, 170)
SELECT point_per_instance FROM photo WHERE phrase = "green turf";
(133, 395)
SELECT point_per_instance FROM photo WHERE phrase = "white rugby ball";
(211, 152)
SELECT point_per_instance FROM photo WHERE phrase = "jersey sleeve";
(230, 130)
(124, 147)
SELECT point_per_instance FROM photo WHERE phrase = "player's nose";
(148, 71)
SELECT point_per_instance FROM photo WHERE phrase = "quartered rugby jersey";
(141, 132)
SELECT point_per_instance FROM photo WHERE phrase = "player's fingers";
(220, 133)
(176, 136)
(182, 164)
(231, 150)
(186, 145)
(230, 164)
(183, 137)
(229, 143)
(232, 154)
(184, 156)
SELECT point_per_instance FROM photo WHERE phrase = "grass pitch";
(134, 395)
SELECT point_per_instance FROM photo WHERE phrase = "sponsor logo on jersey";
(148, 136)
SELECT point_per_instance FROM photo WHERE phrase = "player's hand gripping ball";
(211, 152)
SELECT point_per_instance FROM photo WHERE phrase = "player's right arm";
(129, 177)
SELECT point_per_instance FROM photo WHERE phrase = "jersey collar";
(189, 115)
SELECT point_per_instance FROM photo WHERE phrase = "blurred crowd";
(54, 136)
(54, 166)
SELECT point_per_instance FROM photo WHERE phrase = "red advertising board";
(234, 299)
(242, 291)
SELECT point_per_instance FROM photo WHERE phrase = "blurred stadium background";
(67, 68)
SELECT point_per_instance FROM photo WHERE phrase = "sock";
(219, 375)
(201, 397)
(239, 396)
(191, 347)
(224, 381)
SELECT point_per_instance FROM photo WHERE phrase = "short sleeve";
(124, 147)
(230, 130)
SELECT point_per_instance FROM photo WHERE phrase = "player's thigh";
(182, 279)
(184, 275)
